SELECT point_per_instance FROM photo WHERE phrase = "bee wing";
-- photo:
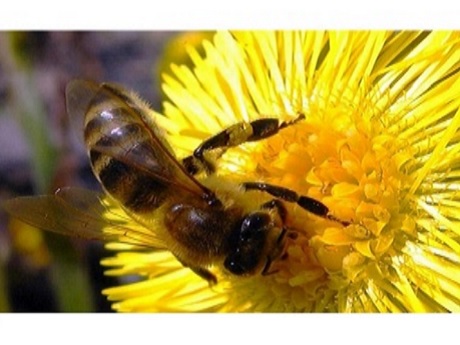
(82, 213)
(145, 158)
(79, 94)
(149, 154)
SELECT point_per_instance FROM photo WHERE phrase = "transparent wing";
(82, 213)
(145, 150)
(79, 94)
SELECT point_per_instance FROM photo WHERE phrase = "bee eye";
(248, 244)
(254, 225)
(232, 265)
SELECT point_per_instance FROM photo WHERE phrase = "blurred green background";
(43, 272)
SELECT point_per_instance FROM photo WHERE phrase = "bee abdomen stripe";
(135, 190)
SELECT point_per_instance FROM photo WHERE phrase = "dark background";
(41, 272)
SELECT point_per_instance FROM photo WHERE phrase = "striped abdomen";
(124, 150)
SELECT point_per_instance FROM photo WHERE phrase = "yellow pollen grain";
(344, 189)
(336, 236)
(371, 191)
(332, 257)
(306, 277)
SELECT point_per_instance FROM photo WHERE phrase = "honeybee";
(176, 204)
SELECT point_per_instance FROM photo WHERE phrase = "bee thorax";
(198, 235)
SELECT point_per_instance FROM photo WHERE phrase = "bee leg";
(205, 274)
(280, 208)
(285, 232)
(282, 212)
(202, 272)
(266, 270)
(233, 136)
(281, 256)
(311, 205)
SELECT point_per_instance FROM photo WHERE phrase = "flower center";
(346, 161)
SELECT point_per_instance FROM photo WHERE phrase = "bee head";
(255, 242)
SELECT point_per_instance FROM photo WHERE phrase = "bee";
(174, 204)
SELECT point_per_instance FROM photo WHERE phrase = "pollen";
(342, 159)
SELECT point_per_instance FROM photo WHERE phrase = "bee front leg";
(311, 205)
(278, 205)
(233, 136)
(201, 272)
(285, 233)
(205, 274)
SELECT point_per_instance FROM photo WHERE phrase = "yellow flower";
(379, 146)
